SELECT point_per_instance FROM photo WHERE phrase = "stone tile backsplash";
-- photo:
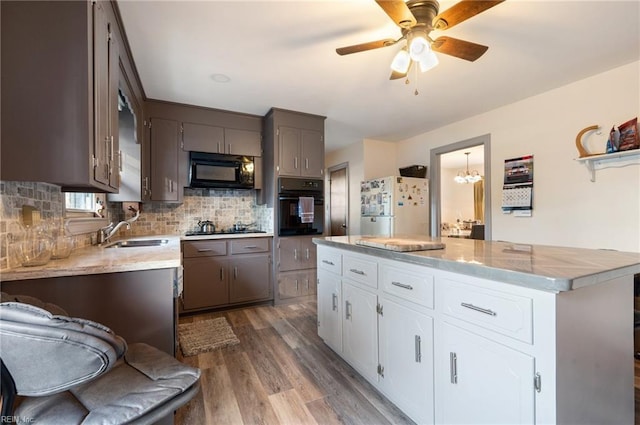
(223, 207)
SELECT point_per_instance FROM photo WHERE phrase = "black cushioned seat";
(73, 371)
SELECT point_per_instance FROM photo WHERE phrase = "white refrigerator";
(394, 206)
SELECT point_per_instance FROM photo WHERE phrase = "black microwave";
(213, 170)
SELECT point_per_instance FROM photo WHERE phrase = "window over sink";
(84, 212)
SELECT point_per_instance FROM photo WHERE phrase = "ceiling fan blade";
(398, 12)
(459, 48)
(461, 11)
(365, 46)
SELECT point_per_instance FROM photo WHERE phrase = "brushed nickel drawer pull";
(347, 309)
(453, 367)
(328, 262)
(418, 349)
(334, 302)
(479, 309)
(204, 249)
(251, 247)
(356, 271)
(402, 285)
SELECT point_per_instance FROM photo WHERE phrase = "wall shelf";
(610, 160)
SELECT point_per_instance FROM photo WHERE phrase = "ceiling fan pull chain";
(415, 93)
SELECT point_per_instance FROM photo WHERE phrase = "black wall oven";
(212, 170)
(298, 214)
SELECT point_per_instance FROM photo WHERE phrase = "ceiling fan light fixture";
(429, 61)
(401, 61)
(419, 47)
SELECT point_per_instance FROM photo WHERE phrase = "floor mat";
(205, 335)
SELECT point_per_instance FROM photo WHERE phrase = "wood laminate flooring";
(280, 373)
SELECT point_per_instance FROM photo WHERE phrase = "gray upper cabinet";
(294, 144)
(289, 144)
(301, 152)
(166, 183)
(243, 142)
(214, 139)
(60, 72)
(311, 153)
(202, 138)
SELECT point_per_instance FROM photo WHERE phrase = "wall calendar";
(517, 191)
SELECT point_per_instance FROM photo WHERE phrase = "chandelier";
(467, 176)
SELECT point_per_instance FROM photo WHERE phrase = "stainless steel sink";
(137, 243)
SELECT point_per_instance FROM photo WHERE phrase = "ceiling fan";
(416, 19)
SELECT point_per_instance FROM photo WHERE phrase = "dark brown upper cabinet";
(295, 142)
(214, 139)
(293, 146)
(167, 161)
(60, 77)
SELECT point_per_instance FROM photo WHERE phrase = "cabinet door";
(164, 160)
(202, 138)
(330, 309)
(473, 364)
(206, 282)
(291, 284)
(310, 282)
(312, 154)
(102, 129)
(249, 280)
(406, 353)
(242, 142)
(289, 254)
(308, 253)
(360, 329)
(297, 283)
(289, 144)
(115, 158)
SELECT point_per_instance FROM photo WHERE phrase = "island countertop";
(543, 267)
(98, 259)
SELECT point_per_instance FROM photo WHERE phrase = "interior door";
(338, 202)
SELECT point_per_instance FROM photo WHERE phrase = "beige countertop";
(549, 268)
(98, 259)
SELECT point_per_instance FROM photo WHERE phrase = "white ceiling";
(282, 54)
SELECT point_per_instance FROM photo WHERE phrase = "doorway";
(480, 198)
(339, 200)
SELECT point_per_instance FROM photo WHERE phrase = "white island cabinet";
(485, 336)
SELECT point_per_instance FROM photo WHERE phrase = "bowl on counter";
(61, 247)
(34, 252)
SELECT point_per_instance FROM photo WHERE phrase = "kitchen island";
(485, 332)
(131, 290)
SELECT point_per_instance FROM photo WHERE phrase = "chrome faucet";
(105, 233)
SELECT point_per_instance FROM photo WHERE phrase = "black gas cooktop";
(222, 232)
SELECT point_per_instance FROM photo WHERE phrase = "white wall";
(568, 209)
(379, 159)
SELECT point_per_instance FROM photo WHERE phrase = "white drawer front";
(510, 315)
(360, 270)
(330, 260)
(415, 286)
